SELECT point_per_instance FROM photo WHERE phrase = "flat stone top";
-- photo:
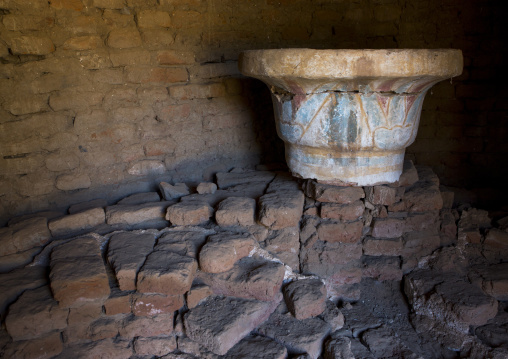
(279, 67)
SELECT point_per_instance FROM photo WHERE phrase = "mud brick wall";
(103, 98)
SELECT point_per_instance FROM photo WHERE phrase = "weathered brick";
(151, 305)
(190, 92)
(124, 38)
(157, 38)
(388, 227)
(146, 167)
(196, 294)
(27, 104)
(62, 162)
(77, 223)
(222, 251)
(281, 209)
(26, 22)
(35, 314)
(167, 273)
(173, 57)
(343, 212)
(24, 235)
(152, 18)
(109, 4)
(71, 99)
(75, 5)
(156, 74)
(382, 247)
(383, 195)
(130, 57)
(189, 213)
(77, 273)
(328, 193)
(45, 347)
(158, 346)
(126, 253)
(118, 304)
(72, 182)
(305, 298)
(83, 43)
(382, 268)
(144, 326)
(32, 45)
(340, 232)
(236, 211)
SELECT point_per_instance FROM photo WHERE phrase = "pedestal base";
(362, 168)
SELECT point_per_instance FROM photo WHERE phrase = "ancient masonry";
(256, 265)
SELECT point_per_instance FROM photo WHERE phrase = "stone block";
(32, 45)
(221, 322)
(75, 5)
(285, 240)
(24, 235)
(305, 298)
(124, 38)
(249, 278)
(223, 250)
(299, 336)
(189, 213)
(195, 91)
(197, 294)
(158, 346)
(257, 347)
(151, 305)
(236, 211)
(388, 227)
(493, 279)
(281, 209)
(167, 273)
(73, 182)
(45, 347)
(102, 328)
(77, 223)
(127, 252)
(137, 215)
(160, 75)
(77, 273)
(409, 175)
(62, 162)
(382, 247)
(18, 260)
(206, 188)
(175, 191)
(74, 99)
(35, 314)
(342, 212)
(326, 258)
(340, 232)
(109, 4)
(328, 193)
(234, 178)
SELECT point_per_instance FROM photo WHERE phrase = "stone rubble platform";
(259, 265)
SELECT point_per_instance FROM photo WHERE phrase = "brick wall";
(107, 97)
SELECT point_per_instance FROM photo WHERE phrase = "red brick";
(383, 195)
(388, 227)
(340, 232)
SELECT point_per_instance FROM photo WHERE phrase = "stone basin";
(347, 116)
